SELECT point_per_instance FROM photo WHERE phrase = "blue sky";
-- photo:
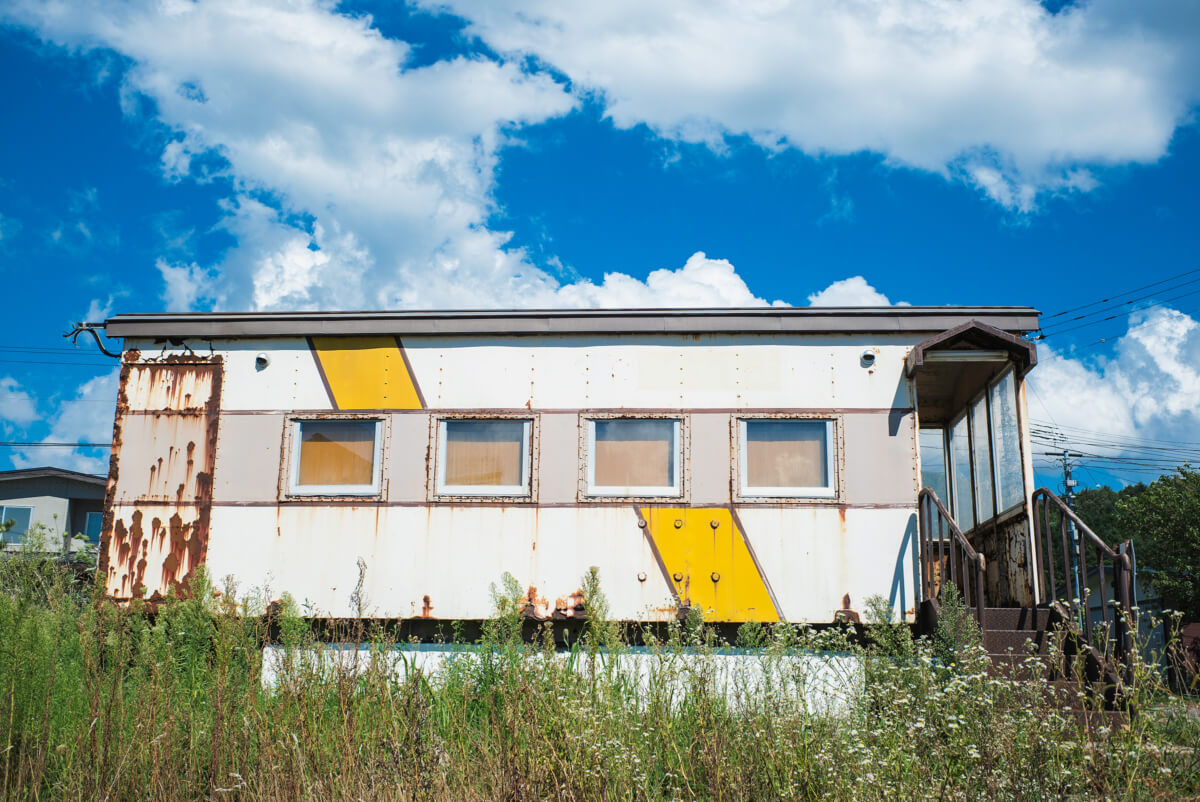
(169, 155)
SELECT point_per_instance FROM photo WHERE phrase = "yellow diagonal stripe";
(693, 549)
(366, 373)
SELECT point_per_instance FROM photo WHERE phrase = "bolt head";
(716, 577)
(678, 576)
(678, 523)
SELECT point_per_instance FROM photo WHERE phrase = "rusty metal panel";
(160, 483)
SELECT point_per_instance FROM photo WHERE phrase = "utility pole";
(1069, 485)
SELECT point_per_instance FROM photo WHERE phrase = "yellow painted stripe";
(367, 372)
(693, 549)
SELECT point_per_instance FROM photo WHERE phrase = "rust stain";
(426, 607)
(846, 615)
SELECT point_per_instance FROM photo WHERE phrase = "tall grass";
(101, 702)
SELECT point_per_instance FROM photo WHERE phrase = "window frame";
(87, 516)
(354, 492)
(677, 491)
(831, 492)
(955, 512)
(524, 491)
(997, 513)
(1005, 512)
(8, 540)
(944, 431)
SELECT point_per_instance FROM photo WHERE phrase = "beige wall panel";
(815, 557)
(248, 458)
(718, 371)
(409, 459)
(558, 473)
(711, 458)
(880, 467)
(451, 555)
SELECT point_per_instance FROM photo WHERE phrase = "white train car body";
(757, 465)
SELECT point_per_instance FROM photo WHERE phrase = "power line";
(1052, 333)
(1120, 294)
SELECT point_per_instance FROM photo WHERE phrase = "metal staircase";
(1069, 558)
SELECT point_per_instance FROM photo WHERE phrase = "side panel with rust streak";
(159, 499)
(452, 555)
(811, 559)
(815, 558)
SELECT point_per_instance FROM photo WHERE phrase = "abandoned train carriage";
(756, 464)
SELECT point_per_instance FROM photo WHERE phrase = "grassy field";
(98, 702)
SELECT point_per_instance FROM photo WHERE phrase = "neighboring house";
(64, 504)
(754, 464)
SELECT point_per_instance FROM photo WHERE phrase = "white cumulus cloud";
(17, 407)
(853, 291)
(1002, 94)
(1148, 390)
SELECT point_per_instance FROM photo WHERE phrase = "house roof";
(762, 320)
(53, 473)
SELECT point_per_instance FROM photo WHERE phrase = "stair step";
(1003, 642)
(1018, 618)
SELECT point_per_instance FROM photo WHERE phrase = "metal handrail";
(1074, 553)
(957, 563)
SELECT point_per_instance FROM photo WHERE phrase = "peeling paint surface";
(159, 499)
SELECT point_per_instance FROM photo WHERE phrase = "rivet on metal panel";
(678, 576)
(716, 577)
(642, 523)
(678, 523)
(714, 524)
(641, 576)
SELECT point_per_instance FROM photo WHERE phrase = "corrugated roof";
(574, 321)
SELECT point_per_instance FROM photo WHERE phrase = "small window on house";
(633, 457)
(933, 463)
(483, 457)
(960, 473)
(1006, 443)
(781, 457)
(336, 457)
(15, 522)
(91, 526)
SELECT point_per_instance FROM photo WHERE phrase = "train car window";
(981, 454)
(484, 457)
(960, 473)
(633, 457)
(787, 457)
(933, 463)
(1006, 443)
(336, 457)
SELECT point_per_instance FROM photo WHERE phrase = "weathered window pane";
(1006, 440)
(635, 453)
(337, 452)
(960, 468)
(933, 462)
(485, 452)
(983, 460)
(787, 453)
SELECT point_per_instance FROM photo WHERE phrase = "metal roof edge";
(55, 473)
(827, 319)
